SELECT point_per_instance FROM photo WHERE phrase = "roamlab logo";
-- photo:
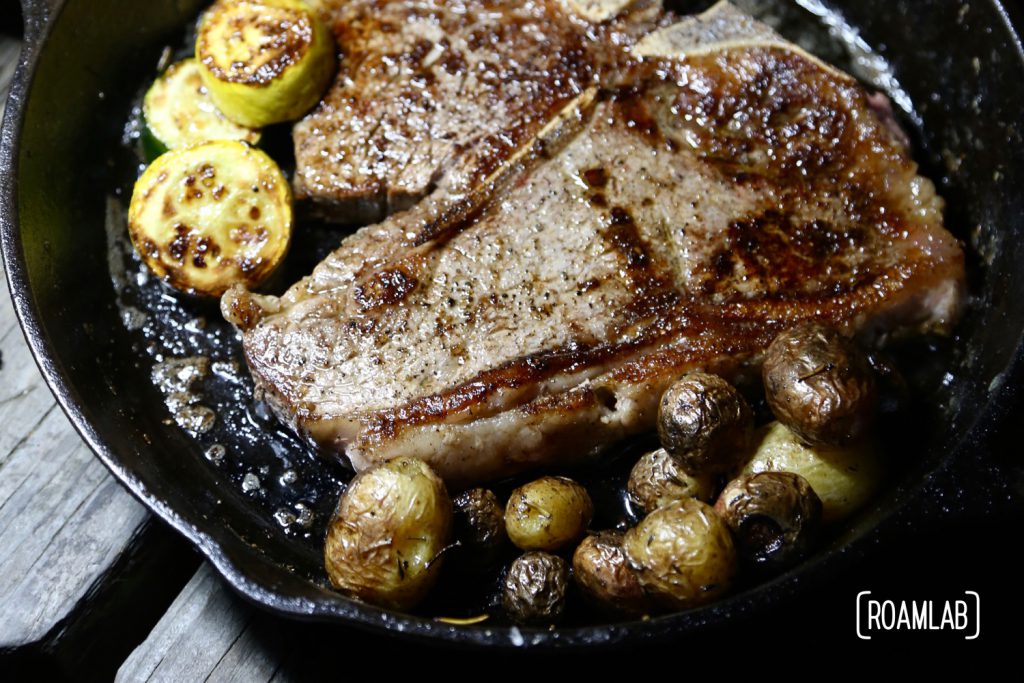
(883, 616)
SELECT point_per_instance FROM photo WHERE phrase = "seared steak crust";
(678, 224)
(435, 94)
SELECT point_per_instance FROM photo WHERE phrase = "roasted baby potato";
(384, 543)
(774, 517)
(535, 588)
(657, 479)
(599, 566)
(479, 526)
(705, 423)
(547, 513)
(683, 554)
(843, 477)
(179, 112)
(819, 384)
(264, 61)
(210, 216)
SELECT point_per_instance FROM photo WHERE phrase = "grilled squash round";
(179, 112)
(210, 216)
(264, 61)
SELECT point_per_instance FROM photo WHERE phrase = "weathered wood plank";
(63, 522)
(68, 531)
(9, 48)
(211, 634)
(85, 571)
(24, 397)
(119, 609)
(208, 634)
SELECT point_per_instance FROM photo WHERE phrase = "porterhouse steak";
(434, 95)
(725, 187)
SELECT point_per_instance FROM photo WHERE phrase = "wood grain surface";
(65, 522)
(69, 534)
(206, 635)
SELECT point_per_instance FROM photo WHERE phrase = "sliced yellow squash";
(179, 112)
(213, 215)
(264, 61)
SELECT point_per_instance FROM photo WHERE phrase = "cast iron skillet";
(82, 62)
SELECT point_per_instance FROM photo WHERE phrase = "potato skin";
(547, 513)
(600, 568)
(384, 543)
(683, 554)
(819, 384)
(479, 526)
(657, 479)
(705, 423)
(844, 477)
(535, 588)
(774, 517)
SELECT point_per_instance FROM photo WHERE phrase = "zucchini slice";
(179, 112)
(207, 217)
(264, 61)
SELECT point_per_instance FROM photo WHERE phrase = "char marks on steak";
(737, 187)
(432, 95)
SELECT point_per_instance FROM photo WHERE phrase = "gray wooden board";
(9, 49)
(64, 520)
(208, 634)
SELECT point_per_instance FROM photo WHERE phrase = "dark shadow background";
(10, 17)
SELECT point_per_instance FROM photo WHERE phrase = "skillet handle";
(37, 15)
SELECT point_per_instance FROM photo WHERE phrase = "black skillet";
(960, 63)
